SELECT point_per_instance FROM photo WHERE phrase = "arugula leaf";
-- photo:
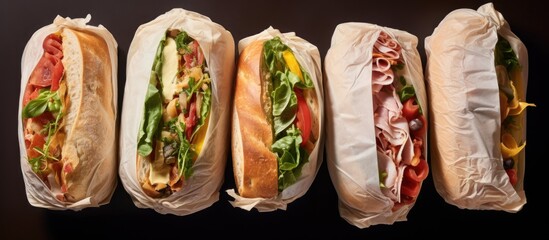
(152, 115)
(182, 42)
(185, 153)
(206, 105)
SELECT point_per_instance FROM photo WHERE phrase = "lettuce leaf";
(151, 121)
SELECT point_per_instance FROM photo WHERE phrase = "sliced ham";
(396, 150)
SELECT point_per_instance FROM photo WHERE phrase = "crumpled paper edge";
(361, 202)
(309, 58)
(38, 194)
(202, 189)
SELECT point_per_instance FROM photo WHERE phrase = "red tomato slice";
(31, 92)
(409, 188)
(410, 109)
(303, 118)
(199, 54)
(36, 141)
(512, 174)
(417, 173)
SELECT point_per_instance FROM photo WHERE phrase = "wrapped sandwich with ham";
(176, 109)
(277, 120)
(377, 122)
(68, 115)
(477, 70)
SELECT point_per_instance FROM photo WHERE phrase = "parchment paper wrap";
(202, 188)
(38, 194)
(466, 158)
(309, 58)
(350, 135)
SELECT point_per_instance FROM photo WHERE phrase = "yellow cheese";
(160, 172)
(292, 64)
(169, 69)
(198, 140)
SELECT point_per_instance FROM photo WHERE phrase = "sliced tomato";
(417, 173)
(303, 118)
(31, 92)
(512, 174)
(36, 141)
(52, 45)
(410, 109)
(410, 188)
(191, 120)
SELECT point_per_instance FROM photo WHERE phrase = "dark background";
(314, 215)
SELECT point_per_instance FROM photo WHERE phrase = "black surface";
(314, 215)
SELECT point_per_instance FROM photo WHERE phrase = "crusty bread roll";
(90, 121)
(255, 166)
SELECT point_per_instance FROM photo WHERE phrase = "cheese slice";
(200, 136)
(160, 172)
(169, 69)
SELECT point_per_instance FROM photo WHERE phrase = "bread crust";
(255, 165)
(90, 142)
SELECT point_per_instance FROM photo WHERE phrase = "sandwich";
(377, 122)
(68, 114)
(276, 118)
(176, 110)
(477, 73)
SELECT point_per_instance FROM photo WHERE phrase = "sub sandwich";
(68, 113)
(176, 112)
(477, 72)
(377, 115)
(276, 119)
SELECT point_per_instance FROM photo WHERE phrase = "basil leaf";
(38, 105)
(151, 120)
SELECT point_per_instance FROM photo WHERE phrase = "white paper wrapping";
(350, 136)
(38, 194)
(217, 44)
(466, 159)
(309, 58)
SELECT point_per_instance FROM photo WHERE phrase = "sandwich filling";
(284, 85)
(508, 71)
(400, 125)
(176, 111)
(44, 106)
